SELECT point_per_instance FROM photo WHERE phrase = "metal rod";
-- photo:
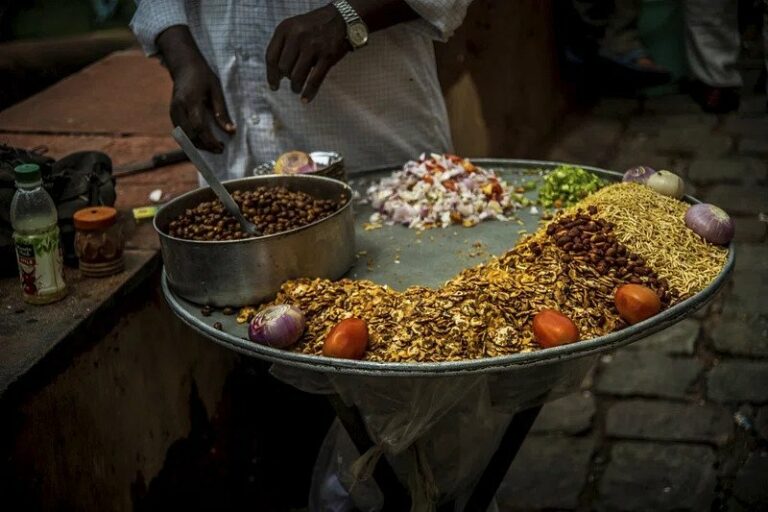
(396, 497)
(497, 468)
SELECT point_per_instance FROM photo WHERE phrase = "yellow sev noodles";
(652, 225)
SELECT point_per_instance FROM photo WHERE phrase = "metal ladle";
(223, 194)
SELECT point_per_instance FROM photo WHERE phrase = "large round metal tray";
(401, 257)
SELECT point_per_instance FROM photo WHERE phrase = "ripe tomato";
(552, 328)
(347, 340)
(636, 302)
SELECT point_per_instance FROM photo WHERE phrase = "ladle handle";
(197, 159)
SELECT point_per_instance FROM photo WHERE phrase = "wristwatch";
(357, 30)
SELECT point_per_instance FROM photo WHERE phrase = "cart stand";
(396, 498)
(502, 459)
(431, 264)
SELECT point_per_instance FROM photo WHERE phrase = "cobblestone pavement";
(678, 421)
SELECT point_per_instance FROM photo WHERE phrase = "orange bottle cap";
(95, 217)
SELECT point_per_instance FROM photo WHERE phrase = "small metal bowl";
(248, 272)
(329, 164)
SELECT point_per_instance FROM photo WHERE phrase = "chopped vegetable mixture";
(441, 190)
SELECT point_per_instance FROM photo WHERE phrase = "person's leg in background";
(610, 28)
(622, 39)
(713, 44)
(621, 35)
(590, 26)
(765, 46)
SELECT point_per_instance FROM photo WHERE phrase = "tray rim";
(496, 364)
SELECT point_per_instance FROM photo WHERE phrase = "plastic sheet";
(438, 433)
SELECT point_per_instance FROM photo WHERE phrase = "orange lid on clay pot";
(95, 217)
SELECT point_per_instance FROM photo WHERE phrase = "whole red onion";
(711, 223)
(639, 174)
(277, 326)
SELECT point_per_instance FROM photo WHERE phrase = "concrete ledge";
(33, 336)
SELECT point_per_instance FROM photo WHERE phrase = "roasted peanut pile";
(652, 226)
(486, 310)
(593, 241)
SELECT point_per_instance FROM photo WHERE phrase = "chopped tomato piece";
(432, 166)
(493, 190)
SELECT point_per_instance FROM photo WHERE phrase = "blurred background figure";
(713, 44)
(648, 48)
(605, 37)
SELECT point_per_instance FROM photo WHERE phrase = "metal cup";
(329, 164)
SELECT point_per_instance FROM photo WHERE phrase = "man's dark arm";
(197, 96)
(304, 48)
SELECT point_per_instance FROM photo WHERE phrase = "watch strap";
(347, 11)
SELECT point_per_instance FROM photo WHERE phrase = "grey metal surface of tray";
(401, 257)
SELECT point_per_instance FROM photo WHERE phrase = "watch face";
(358, 34)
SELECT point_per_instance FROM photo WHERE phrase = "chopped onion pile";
(438, 191)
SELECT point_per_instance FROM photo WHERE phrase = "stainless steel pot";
(245, 272)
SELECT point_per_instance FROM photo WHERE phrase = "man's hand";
(304, 48)
(197, 100)
(197, 96)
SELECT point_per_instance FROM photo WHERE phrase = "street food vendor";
(255, 79)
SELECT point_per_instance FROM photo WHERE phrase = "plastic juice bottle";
(36, 236)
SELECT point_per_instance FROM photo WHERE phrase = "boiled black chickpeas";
(273, 210)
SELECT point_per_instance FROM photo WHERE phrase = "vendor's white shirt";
(380, 106)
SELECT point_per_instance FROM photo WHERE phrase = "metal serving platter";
(401, 257)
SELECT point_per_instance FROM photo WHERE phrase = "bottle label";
(40, 262)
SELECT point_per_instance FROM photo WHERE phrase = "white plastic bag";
(437, 433)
